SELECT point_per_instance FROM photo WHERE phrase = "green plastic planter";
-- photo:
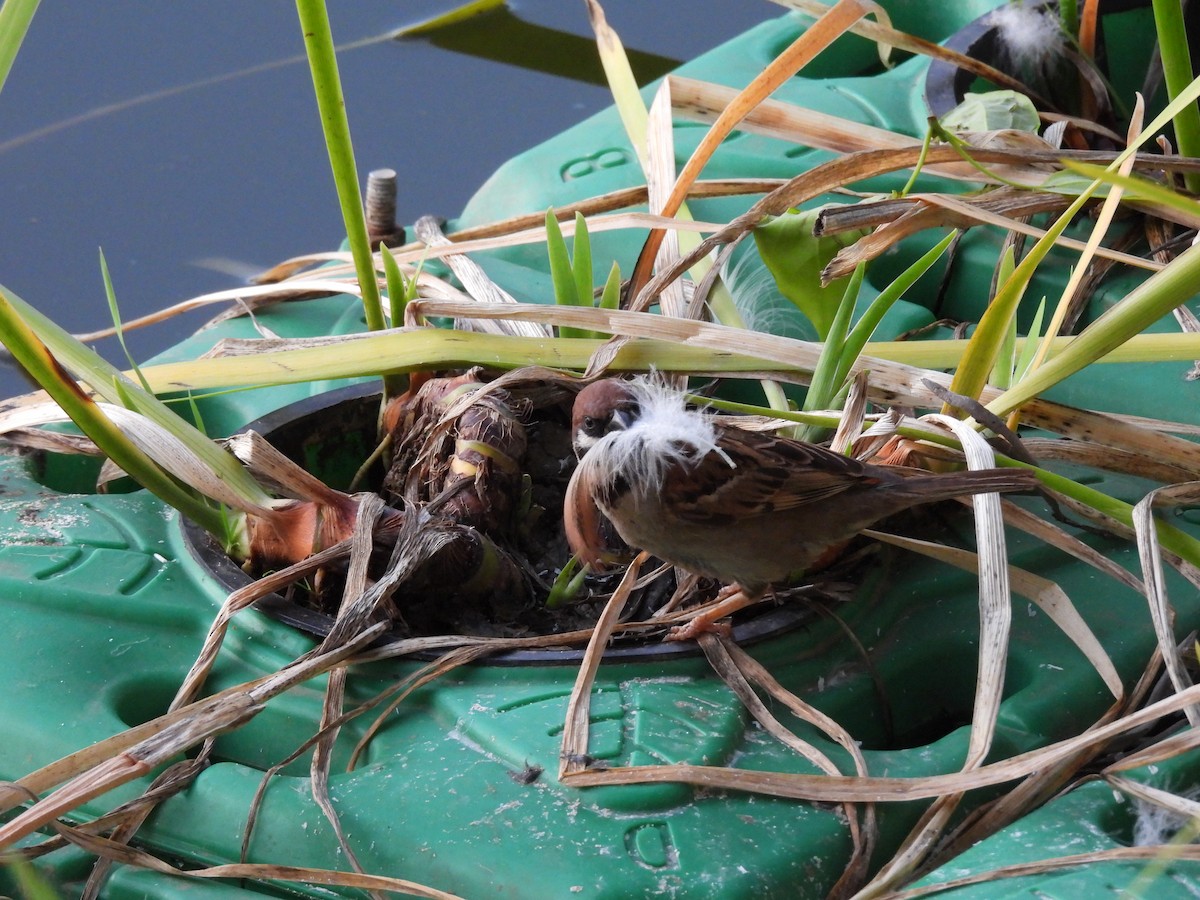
(106, 603)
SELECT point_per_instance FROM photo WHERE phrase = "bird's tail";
(932, 488)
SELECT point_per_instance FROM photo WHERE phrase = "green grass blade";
(399, 292)
(581, 263)
(327, 85)
(397, 287)
(1142, 307)
(1030, 346)
(1002, 372)
(562, 276)
(444, 20)
(86, 365)
(115, 312)
(824, 383)
(15, 16)
(567, 584)
(37, 359)
(862, 331)
(610, 297)
(984, 346)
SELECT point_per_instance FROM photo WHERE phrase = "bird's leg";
(729, 600)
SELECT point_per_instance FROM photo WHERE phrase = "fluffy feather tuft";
(1031, 36)
(665, 433)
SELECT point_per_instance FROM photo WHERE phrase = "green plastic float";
(103, 595)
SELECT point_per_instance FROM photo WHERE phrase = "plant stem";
(1177, 70)
(322, 62)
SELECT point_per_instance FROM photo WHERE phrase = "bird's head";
(601, 408)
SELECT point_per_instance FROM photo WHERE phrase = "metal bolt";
(381, 208)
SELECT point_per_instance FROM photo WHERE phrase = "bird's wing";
(755, 474)
(589, 533)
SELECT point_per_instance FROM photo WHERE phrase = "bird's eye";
(589, 424)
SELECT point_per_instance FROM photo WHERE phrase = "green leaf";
(567, 584)
(993, 111)
(795, 257)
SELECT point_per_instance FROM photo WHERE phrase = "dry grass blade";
(840, 789)
(832, 24)
(660, 174)
(139, 750)
(177, 457)
(1054, 536)
(1031, 793)
(125, 855)
(918, 212)
(270, 466)
(1181, 806)
(473, 278)
(247, 298)
(447, 662)
(882, 33)
(723, 664)
(1045, 594)
(739, 670)
(995, 627)
(481, 236)
(1150, 554)
(1189, 852)
(1107, 458)
(891, 384)
(850, 423)
(213, 718)
(534, 233)
(169, 782)
(574, 756)
(237, 601)
(361, 543)
(865, 162)
(1177, 744)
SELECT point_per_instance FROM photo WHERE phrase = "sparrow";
(748, 508)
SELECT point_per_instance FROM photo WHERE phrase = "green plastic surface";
(105, 610)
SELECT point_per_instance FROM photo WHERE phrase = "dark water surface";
(127, 126)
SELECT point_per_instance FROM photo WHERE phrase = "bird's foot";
(730, 599)
(698, 626)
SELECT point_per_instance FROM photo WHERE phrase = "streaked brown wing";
(768, 474)
(589, 533)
